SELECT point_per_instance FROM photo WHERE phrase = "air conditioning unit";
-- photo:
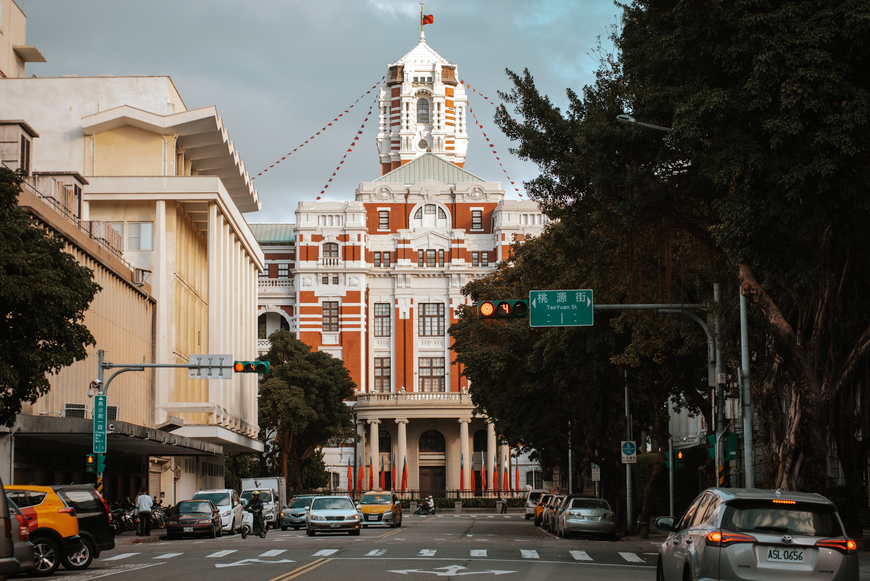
(112, 413)
(75, 410)
(140, 276)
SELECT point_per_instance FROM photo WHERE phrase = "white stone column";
(402, 447)
(464, 451)
(491, 464)
(374, 450)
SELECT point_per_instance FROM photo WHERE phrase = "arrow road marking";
(250, 562)
(451, 571)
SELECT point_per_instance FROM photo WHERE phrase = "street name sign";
(629, 453)
(211, 366)
(100, 421)
(560, 308)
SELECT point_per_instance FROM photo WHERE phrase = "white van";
(227, 501)
(532, 498)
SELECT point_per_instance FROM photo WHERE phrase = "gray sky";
(280, 70)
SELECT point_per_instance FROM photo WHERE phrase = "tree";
(44, 294)
(766, 169)
(302, 402)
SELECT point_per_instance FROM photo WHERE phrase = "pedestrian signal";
(503, 309)
(251, 366)
(91, 463)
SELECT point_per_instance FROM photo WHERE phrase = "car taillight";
(845, 546)
(725, 538)
(67, 510)
(108, 510)
(23, 530)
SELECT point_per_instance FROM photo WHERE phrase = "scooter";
(248, 525)
(423, 509)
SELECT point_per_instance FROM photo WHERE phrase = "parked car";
(587, 515)
(95, 523)
(548, 515)
(9, 565)
(56, 535)
(332, 514)
(227, 501)
(532, 498)
(380, 508)
(194, 517)
(295, 514)
(539, 507)
(745, 533)
(22, 547)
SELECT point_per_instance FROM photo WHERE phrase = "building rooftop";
(428, 166)
(273, 233)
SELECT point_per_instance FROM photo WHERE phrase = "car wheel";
(528, 516)
(399, 524)
(220, 531)
(46, 557)
(310, 532)
(212, 534)
(80, 560)
(537, 522)
(232, 531)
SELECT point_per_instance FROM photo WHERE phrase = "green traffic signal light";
(252, 366)
(509, 309)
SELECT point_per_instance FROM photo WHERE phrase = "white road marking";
(478, 553)
(427, 553)
(119, 557)
(325, 553)
(168, 555)
(529, 554)
(273, 553)
(221, 554)
(580, 556)
(250, 562)
(631, 558)
(376, 553)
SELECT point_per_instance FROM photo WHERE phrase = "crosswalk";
(531, 554)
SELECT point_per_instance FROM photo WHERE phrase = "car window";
(19, 497)
(375, 499)
(218, 498)
(701, 511)
(709, 509)
(81, 500)
(300, 503)
(534, 496)
(815, 520)
(332, 504)
(193, 507)
(265, 495)
(689, 515)
(36, 498)
(589, 503)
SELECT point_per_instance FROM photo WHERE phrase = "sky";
(280, 70)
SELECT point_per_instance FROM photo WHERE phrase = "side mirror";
(357, 506)
(665, 523)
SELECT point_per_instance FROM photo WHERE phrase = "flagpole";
(421, 17)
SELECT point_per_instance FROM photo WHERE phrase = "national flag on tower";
(427, 19)
(483, 472)
(382, 474)
(349, 475)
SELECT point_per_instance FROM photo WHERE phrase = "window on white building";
(284, 270)
(330, 316)
(431, 320)
(330, 250)
(422, 110)
(477, 219)
(383, 323)
(431, 371)
(535, 479)
(141, 236)
(383, 220)
(382, 374)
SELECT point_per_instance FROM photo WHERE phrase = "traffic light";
(679, 463)
(680, 459)
(101, 463)
(91, 463)
(502, 309)
(251, 366)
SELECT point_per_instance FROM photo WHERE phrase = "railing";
(416, 493)
(329, 262)
(416, 397)
(282, 283)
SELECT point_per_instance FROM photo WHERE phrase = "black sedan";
(194, 517)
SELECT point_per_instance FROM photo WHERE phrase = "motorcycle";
(423, 509)
(248, 524)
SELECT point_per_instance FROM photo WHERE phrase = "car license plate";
(373, 517)
(780, 555)
(187, 529)
(334, 525)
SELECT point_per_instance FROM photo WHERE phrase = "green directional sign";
(100, 421)
(560, 308)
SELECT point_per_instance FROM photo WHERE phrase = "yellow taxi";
(539, 508)
(380, 508)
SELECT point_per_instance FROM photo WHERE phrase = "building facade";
(376, 281)
(151, 196)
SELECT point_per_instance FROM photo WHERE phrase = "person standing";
(143, 506)
(503, 503)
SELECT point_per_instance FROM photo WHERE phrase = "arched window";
(432, 441)
(422, 110)
(330, 250)
(285, 326)
(480, 441)
(418, 215)
(385, 443)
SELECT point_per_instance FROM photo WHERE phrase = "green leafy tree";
(302, 404)
(44, 294)
(766, 169)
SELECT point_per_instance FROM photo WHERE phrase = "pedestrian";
(143, 506)
(503, 503)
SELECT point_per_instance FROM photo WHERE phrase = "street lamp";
(629, 120)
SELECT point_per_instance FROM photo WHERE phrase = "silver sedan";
(586, 515)
(333, 514)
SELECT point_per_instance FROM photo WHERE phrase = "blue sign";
(629, 452)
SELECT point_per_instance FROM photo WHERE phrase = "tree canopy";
(302, 405)
(44, 294)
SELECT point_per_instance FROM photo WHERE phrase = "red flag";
(495, 476)
(517, 478)
(360, 475)
(349, 475)
(428, 19)
(382, 474)
(371, 473)
(461, 472)
(405, 474)
(506, 486)
(483, 471)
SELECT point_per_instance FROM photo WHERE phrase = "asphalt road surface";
(424, 548)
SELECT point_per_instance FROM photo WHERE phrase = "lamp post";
(629, 120)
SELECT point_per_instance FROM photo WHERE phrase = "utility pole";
(627, 466)
(748, 467)
(719, 395)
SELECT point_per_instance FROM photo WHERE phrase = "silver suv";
(747, 533)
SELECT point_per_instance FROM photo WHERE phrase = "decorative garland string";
(350, 149)
(494, 152)
(301, 145)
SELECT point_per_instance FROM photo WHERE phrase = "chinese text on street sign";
(100, 422)
(560, 308)
(629, 453)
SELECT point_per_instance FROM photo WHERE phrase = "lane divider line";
(301, 570)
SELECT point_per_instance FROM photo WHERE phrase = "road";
(446, 545)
